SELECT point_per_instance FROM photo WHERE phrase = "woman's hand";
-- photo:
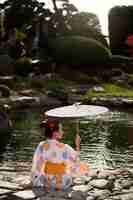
(77, 142)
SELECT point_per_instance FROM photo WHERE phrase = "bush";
(20, 36)
(23, 66)
(6, 65)
(5, 91)
(77, 50)
(130, 79)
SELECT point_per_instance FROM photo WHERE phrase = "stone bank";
(114, 184)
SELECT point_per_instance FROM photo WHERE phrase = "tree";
(85, 20)
(120, 26)
(88, 25)
(21, 12)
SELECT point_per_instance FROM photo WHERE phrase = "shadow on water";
(5, 132)
(118, 136)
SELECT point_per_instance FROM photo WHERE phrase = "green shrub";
(77, 50)
(5, 91)
(23, 66)
(20, 36)
(130, 79)
(6, 64)
(37, 83)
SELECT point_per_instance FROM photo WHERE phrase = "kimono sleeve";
(38, 159)
(72, 154)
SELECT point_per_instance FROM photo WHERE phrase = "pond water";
(106, 142)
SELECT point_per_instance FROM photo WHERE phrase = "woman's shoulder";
(42, 143)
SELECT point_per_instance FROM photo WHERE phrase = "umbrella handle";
(77, 139)
(77, 127)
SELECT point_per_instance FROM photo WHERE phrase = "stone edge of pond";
(116, 184)
(44, 101)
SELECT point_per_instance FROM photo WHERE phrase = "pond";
(106, 142)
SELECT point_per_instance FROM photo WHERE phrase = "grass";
(111, 90)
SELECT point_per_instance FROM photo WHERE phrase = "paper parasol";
(76, 111)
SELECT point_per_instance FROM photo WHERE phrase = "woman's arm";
(77, 142)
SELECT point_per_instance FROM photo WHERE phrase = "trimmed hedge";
(23, 66)
(6, 65)
(77, 50)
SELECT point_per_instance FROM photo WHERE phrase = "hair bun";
(49, 123)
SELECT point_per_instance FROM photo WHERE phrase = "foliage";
(78, 50)
(20, 36)
(23, 66)
(37, 83)
(5, 59)
(21, 12)
(53, 84)
(130, 79)
(5, 90)
(86, 24)
(85, 20)
(111, 90)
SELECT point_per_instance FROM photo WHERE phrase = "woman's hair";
(50, 126)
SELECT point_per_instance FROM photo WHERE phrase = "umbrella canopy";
(76, 111)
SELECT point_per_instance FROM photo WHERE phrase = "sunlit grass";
(111, 90)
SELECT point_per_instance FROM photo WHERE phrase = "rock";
(7, 80)
(98, 89)
(103, 174)
(24, 102)
(81, 180)
(6, 65)
(101, 194)
(90, 198)
(4, 191)
(26, 194)
(78, 195)
(127, 196)
(99, 183)
(29, 92)
(93, 173)
(82, 188)
(78, 181)
(9, 185)
(127, 184)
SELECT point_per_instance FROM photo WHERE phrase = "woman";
(54, 163)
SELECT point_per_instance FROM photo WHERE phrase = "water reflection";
(106, 142)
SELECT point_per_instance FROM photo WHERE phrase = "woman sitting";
(55, 163)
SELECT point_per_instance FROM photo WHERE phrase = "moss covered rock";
(77, 50)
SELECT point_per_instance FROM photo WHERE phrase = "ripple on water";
(104, 140)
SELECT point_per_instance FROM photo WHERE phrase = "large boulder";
(77, 50)
(6, 65)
